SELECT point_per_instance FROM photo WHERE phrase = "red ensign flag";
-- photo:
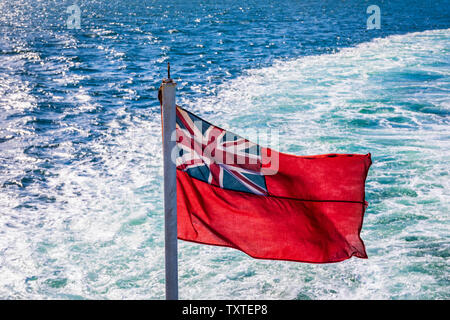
(234, 193)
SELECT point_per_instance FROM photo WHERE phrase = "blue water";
(80, 156)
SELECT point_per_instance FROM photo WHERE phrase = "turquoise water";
(80, 156)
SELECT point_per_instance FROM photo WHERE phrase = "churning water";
(80, 140)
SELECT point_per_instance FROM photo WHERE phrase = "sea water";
(81, 212)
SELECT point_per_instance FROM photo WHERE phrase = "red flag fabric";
(271, 205)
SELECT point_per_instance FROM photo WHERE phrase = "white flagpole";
(170, 186)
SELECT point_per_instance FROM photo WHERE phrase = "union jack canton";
(218, 157)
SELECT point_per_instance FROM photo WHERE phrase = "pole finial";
(168, 79)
